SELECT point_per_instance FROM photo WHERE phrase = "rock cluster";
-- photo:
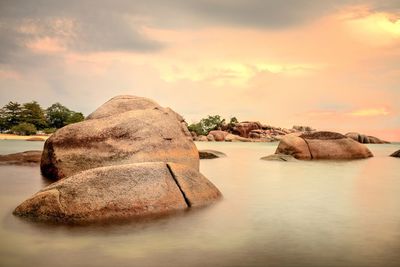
(131, 157)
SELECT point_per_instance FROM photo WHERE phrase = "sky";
(332, 65)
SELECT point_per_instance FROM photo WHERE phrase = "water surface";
(315, 213)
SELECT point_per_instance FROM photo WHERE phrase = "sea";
(304, 213)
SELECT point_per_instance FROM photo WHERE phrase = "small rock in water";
(396, 154)
(279, 157)
(210, 154)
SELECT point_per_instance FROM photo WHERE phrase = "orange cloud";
(46, 45)
(370, 112)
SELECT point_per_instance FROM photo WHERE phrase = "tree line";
(29, 118)
(210, 123)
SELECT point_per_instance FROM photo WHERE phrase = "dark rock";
(210, 154)
(396, 154)
(279, 157)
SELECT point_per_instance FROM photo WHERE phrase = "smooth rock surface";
(322, 145)
(124, 130)
(121, 191)
(218, 135)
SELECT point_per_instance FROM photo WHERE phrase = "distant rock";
(396, 154)
(218, 135)
(119, 192)
(279, 157)
(201, 138)
(126, 129)
(244, 128)
(366, 139)
(35, 139)
(31, 157)
(210, 137)
(322, 145)
(236, 138)
(210, 154)
(301, 128)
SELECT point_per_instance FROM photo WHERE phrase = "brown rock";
(244, 128)
(144, 133)
(219, 135)
(22, 158)
(121, 191)
(322, 145)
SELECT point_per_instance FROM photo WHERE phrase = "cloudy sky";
(334, 65)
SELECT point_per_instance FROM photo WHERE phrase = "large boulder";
(322, 145)
(396, 154)
(31, 157)
(244, 128)
(124, 130)
(365, 139)
(118, 192)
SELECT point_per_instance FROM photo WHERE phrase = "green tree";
(3, 125)
(33, 113)
(57, 115)
(12, 114)
(24, 129)
(75, 117)
(207, 124)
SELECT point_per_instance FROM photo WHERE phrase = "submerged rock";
(322, 145)
(396, 154)
(279, 157)
(121, 191)
(126, 129)
(35, 139)
(210, 154)
(366, 139)
(31, 157)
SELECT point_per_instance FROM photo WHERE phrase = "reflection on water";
(343, 213)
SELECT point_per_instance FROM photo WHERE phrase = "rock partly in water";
(35, 139)
(31, 157)
(322, 145)
(210, 154)
(366, 139)
(236, 138)
(118, 192)
(124, 130)
(396, 154)
(279, 157)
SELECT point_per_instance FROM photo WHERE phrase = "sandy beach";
(24, 137)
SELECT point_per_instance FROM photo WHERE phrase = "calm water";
(325, 213)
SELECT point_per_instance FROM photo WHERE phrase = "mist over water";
(306, 213)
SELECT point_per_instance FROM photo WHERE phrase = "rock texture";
(124, 130)
(366, 139)
(210, 154)
(396, 154)
(31, 157)
(121, 191)
(322, 145)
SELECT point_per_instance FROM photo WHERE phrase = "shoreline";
(39, 138)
